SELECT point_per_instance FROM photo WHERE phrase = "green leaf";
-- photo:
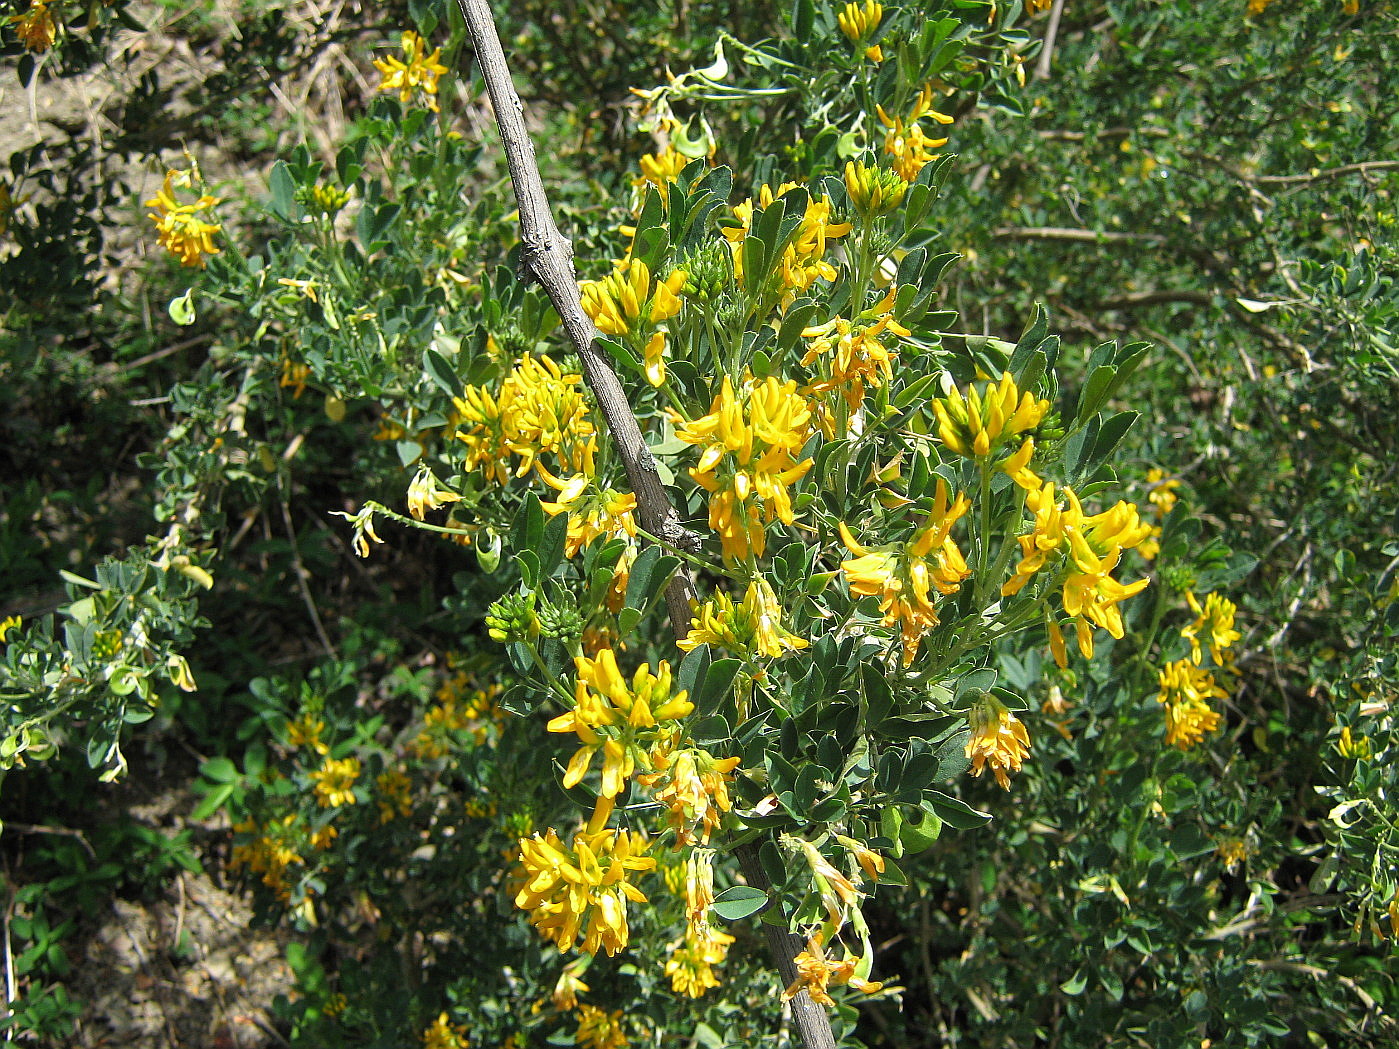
(739, 901)
(213, 801)
(220, 770)
(718, 680)
(440, 372)
(283, 187)
(1075, 984)
(953, 811)
(527, 530)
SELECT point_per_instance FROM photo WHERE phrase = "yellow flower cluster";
(36, 28)
(691, 785)
(749, 444)
(394, 795)
(443, 1034)
(335, 782)
(416, 71)
(306, 731)
(424, 494)
(1186, 686)
(999, 739)
(459, 707)
(611, 717)
(873, 191)
(1186, 690)
(599, 1029)
(628, 304)
(816, 973)
(852, 352)
(583, 889)
(804, 259)
(270, 852)
(180, 229)
(904, 139)
(660, 169)
(1215, 619)
(539, 410)
(693, 958)
(902, 577)
(1094, 545)
(859, 22)
(752, 628)
(593, 512)
(980, 423)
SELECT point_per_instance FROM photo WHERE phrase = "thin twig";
(1051, 31)
(301, 575)
(1087, 236)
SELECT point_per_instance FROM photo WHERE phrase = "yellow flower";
(1216, 619)
(9, 623)
(293, 377)
(856, 355)
(443, 1034)
(35, 28)
(583, 889)
(816, 972)
(424, 494)
(902, 577)
(181, 231)
(979, 423)
(593, 511)
(749, 443)
(1257, 7)
(691, 785)
(1232, 852)
(306, 731)
(1349, 746)
(626, 304)
(1047, 537)
(419, 72)
(998, 739)
(803, 260)
(569, 986)
(1096, 544)
(1186, 690)
(752, 628)
(660, 169)
(610, 717)
(1161, 493)
(335, 782)
(268, 851)
(598, 1029)
(904, 139)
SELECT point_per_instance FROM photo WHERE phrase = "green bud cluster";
(322, 199)
(1180, 578)
(561, 619)
(512, 617)
(709, 270)
(106, 644)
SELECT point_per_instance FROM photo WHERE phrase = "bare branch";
(1086, 236)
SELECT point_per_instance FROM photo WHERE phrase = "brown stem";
(548, 256)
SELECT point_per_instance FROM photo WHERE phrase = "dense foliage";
(1021, 381)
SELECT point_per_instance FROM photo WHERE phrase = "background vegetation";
(191, 621)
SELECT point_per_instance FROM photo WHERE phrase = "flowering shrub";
(502, 742)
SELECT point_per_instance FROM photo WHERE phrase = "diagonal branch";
(548, 256)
